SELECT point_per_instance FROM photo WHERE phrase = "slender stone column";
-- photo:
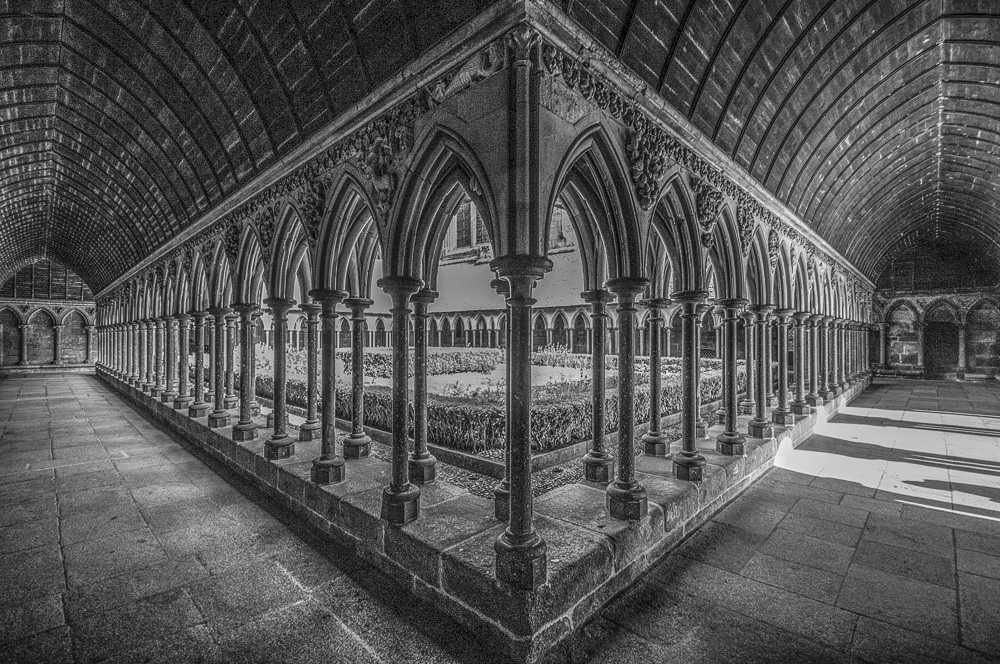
(220, 417)
(170, 359)
(749, 403)
(782, 415)
(213, 362)
(883, 334)
(837, 369)
(57, 345)
(245, 428)
(597, 464)
(501, 492)
(133, 354)
(183, 399)
(667, 333)
(200, 407)
(280, 445)
(358, 444)
(401, 499)
(655, 442)
(329, 467)
(24, 345)
(521, 552)
(89, 348)
(769, 361)
(150, 372)
(853, 353)
(231, 399)
(826, 378)
(701, 426)
(422, 464)
(689, 464)
(920, 345)
(760, 426)
(311, 428)
(158, 358)
(730, 441)
(254, 404)
(813, 398)
(799, 405)
(626, 497)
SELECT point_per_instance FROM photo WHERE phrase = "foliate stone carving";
(747, 222)
(773, 248)
(311, 199)
(708, 202)
(172, 269)
(231, 242)
(647, 165)
(187, 260)
(521, 41)
(266, 224)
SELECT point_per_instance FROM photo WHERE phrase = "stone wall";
(10, 338)
(40, 319)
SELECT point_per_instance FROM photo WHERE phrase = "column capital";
(199, 315)
(784, 314)
(689, 297)
(655, 303)
(500, 286)
(23, 326)
(90, 328)
(627, 285)
(324, 295)
(802, 316)
(400, 285)
(219, 312)
(58, 327)
(279, 306)
(424, 296)
(733, 304)
(244, 308)
(511, 265)
(598, 295)
(762, 311)
(358, 304)
(311, 311)
(182, 318)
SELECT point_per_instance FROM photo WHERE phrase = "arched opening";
(559, 335)
(940, 342)
(580, 342)
(73, 345)
(380, 335)
(446, 337)
(903, 347)
(10, 338)
(539, 334)
(460, 340)
(982, 346)
(41, 338)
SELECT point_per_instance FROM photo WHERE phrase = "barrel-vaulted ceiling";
(874, 120)
(121, 121)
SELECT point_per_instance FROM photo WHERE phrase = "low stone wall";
(446, 557)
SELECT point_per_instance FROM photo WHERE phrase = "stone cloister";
(224, 225)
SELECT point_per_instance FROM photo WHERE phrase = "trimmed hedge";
(559, 417)
(378, 361)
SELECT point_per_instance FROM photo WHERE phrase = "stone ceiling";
(121, 122)
(875, 121)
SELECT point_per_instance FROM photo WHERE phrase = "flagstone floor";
(877, 540)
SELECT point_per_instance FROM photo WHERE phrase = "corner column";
(280, 445)
(200, 407)
(521, 552)
(655, 442)
(626, 498)
(329, 467)
(730, 441)
(358, 445)
(310, 429)
(422, 464)
(245, 428)
(689, 464)
(401, 499)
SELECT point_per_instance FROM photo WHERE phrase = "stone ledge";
(446, 557)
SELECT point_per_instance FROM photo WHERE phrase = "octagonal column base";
(730, 445)
(627, 503)
(689, 468)
(310, 430)
(401, 507)
(783, 418)
(357, 446)
(217, 420)
(328, 471)
(279, 448)
(655, 443)
(523, 567)
(244, 432)
(198, 410)
(760, 429)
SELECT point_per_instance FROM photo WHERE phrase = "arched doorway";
(940, 342)
(539, 337)
(10, 338)
(580, 334)
(982, 342)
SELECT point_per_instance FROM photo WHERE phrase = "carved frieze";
(747, 222)
(708, 202)
(773, 248)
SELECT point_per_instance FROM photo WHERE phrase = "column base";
(255, 409)
(598, 468)
(525, 566)
(654, 443)
(218, 420)
(783, 418)
(155, 392)
(760, 429)
(147, 387)
(501, 501)
(730, 444)
(801, 408)
(310, 430)
(828, 395)
(198, 410)
(746, 407)
(357, 446)
(279, 448)
(242, 432)
(627, 503)
(169, 396)
(422, 470)
(328, 471)
(771, 401)
(701, 428)
(231, 402)
(269, 420)
(401, 507)
(180, 403)
(690, 467)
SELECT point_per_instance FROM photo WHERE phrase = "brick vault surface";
(875, 539)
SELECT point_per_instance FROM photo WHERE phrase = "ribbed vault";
(874, 120)
(122, 121)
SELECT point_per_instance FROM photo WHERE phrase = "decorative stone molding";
(747, 223)
(773, 248)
